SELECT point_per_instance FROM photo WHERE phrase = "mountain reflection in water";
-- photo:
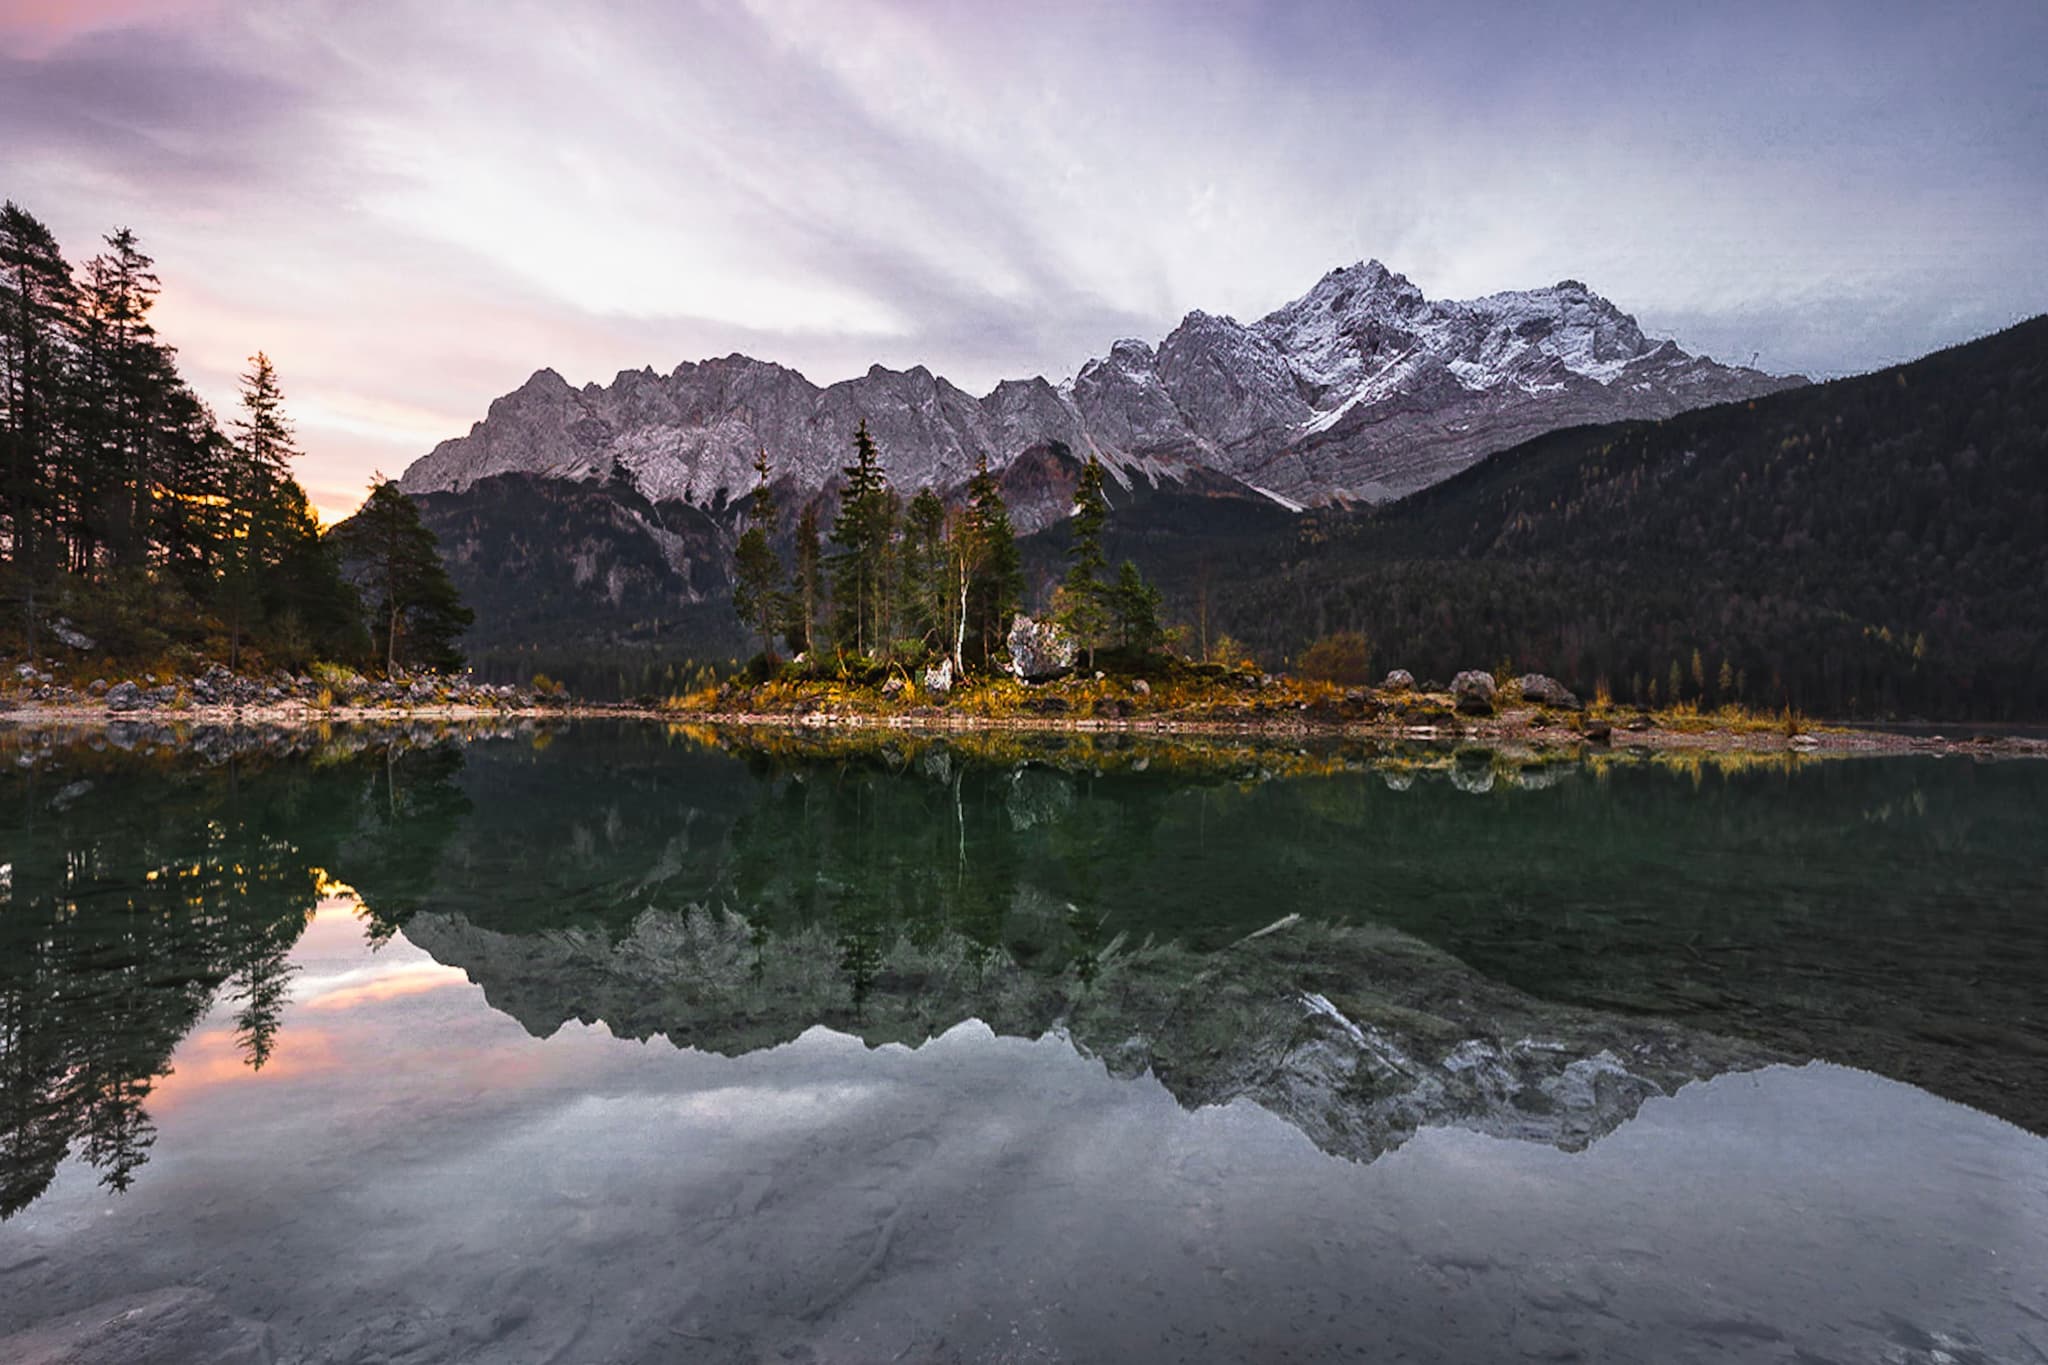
(1363, 942)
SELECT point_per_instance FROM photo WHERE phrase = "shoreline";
(1520, 727)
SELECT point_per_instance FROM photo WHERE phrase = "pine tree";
(394, 556)
(37, 299)
(259, 522)
(926, 570)
(757, 569)
(1135, 604)
(992, 567)
(264, 435)
(865, 531)
(1085, 608)
(807, 587)
(194, 520)
(125, 377)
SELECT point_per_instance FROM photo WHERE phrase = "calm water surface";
(622, 1044)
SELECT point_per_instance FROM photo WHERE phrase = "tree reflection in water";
(137, 892)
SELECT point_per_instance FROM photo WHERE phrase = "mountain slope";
(1361, 389)
(1868, 546)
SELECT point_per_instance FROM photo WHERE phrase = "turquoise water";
(613, 1043)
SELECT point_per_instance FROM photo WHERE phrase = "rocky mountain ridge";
(1361, 390)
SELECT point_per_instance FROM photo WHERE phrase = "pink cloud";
(35, 28)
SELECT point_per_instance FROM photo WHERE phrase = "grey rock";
(1546, 690)
(1400, 680)
(97, 687)
(124, 696)
(1474, 692)
(1040, 649)
(1141, 688)
(70, 636)
(938, 679)
(893, 688)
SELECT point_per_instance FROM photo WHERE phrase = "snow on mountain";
(1361, 389)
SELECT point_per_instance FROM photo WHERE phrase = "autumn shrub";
(336, 680)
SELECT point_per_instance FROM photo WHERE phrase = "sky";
(411, 205)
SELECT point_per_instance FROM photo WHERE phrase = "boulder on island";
(1546, 691)
(1040, 649)
(1473, 691)
(1400, 680)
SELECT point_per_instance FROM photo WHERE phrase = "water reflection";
(1363, 942)
(137, 891)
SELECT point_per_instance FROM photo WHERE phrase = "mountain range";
(1868, 546)
(1360, 391)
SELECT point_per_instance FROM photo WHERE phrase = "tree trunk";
(960, 623)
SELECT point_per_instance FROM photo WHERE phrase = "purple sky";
(413, 204)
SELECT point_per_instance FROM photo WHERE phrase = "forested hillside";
(1871, 546)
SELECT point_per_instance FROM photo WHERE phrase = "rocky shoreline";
(219, 699)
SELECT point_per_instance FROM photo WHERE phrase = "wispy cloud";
(412, 205)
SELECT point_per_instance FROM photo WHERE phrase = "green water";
(1373, 958)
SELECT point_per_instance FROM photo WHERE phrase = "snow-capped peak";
(1361, 388)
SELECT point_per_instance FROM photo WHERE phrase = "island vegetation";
(914, 616)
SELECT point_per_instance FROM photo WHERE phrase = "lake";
(617, 1042)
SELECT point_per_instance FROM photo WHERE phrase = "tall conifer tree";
(37, 300)
(994, 567)
(864, 530)
(757, 571)
(926, 571)
(419, 613)
(1085, 609)
(807, 585)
